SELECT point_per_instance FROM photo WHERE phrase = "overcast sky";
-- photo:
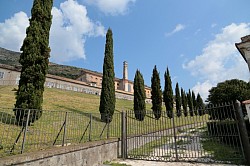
(195, 39)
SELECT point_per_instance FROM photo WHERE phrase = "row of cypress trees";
(35, 59)
(157, 96)
(107, 99)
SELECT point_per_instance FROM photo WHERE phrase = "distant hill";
(11, 58)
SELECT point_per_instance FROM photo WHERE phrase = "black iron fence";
(53, 128)
(216, 133)
(213, 135)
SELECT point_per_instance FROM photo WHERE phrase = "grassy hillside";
(56, 99)
(45, 132)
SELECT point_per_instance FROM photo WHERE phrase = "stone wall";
(88, 154)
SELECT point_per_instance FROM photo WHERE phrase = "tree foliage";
(200, 105)
(139, 96)
(34, 60)
(177, 100)
(184, 102)
(107, 99)
(190, 103)
(168, 94)
(228, 91)
(194, 103)
(156, 94)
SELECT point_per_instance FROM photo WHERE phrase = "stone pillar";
(244, 49)
(125, 76)
(125, 70)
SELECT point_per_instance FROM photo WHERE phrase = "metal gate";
(209, 134)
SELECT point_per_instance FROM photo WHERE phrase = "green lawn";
(56, 99)
(79, 106)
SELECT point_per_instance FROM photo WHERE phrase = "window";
(1, 74)
(17, 80)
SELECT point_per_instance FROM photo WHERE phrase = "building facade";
(95, 79)
(244, 49)
(89, 82)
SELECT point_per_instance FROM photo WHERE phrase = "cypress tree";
(190, 103)
(177, 100)
(107, 99)
(168, 94)
(156, 94)
(139, 96)
(34, 60)
(194, 103)
(184, 102)
(200, 105)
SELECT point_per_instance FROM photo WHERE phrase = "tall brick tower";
(125, 76)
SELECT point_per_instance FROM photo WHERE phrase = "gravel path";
(155, 163)
(190, 147)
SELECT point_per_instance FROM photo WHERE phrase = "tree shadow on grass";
(7, 118)
(95, 118)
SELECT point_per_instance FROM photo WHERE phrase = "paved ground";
(155, 163)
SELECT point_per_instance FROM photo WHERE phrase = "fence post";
(64, 130)
(25, 131)
(90, 126)
(124, 135)
(175, 137)
(243, 131)
(108, 126)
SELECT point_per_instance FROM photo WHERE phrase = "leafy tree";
(200, 105)
(156, 94)
(194, 103)
(139, 96)
(34, 60)
(190, 103)
(228, 91)
(177, 100)
(107, 101)
(168, 94)
(184, 102)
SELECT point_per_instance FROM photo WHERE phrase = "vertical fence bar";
(124, 136)
(175, 137)
(108, 130)
(243, 131)
(90, 126)
(25, 131)
(64, 130)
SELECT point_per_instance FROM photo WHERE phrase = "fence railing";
(31, 130)
(195, 136)
(53, 128)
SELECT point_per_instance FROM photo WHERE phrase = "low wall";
(88, 154)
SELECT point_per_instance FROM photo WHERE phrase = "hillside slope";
(11, 58)
(56, 99)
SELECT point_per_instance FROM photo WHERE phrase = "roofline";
(241, 52)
